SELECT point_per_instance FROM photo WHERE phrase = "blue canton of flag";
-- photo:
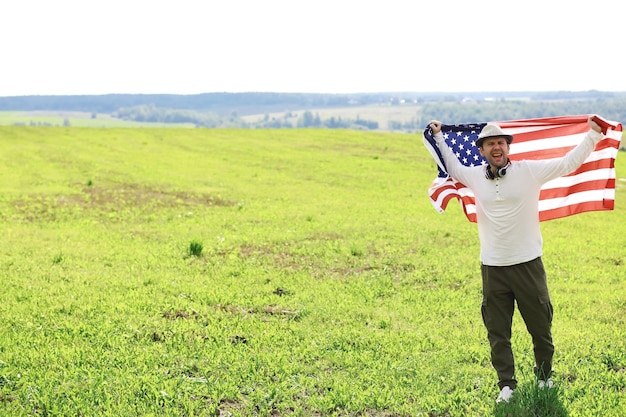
(462, 140)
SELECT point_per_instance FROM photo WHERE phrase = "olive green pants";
(525, 283)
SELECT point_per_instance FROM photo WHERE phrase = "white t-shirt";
(507, 208)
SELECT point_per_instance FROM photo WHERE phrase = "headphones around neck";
(500, 172)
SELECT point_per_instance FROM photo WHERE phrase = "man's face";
(495, 150)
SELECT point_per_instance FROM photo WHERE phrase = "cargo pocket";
(483, 312)
(546, 305)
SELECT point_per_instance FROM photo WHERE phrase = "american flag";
(590, 188)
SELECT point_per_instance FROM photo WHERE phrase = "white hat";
(492, 131)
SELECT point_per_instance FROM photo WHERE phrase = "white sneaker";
(545, 384)
(505, 395)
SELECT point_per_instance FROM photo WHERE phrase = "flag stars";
(463, 145)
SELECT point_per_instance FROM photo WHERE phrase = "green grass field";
(197, 272)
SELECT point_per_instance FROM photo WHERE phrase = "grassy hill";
(269, 272)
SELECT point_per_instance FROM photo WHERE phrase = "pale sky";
(69, 47)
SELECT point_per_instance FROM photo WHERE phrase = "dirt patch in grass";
(139, 195)
(37, 207)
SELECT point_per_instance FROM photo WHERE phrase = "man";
(507, 205)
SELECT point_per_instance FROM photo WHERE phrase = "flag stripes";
(589, 188)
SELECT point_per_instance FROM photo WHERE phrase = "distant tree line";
(228, 109)
(449, 112)
(153, 114)
(220, 103)
(309, 120)
(224, 104)
(481, 111)
(66, 123)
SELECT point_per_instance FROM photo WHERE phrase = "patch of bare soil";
(33, 207)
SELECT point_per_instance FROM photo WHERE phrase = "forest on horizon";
(296, 110)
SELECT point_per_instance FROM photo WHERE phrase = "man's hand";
(594, 125)
(435, 126)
